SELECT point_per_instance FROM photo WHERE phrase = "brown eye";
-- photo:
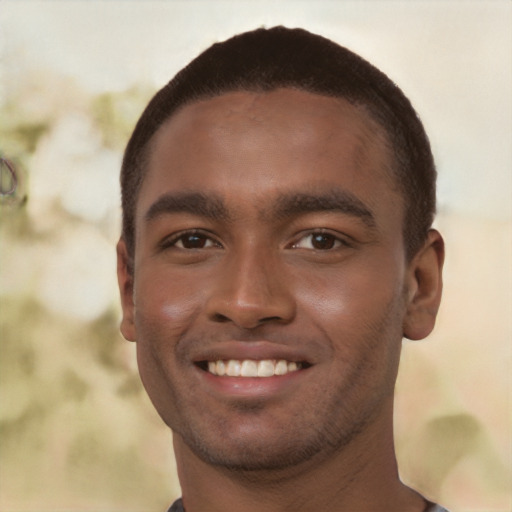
(191, 240)
(319, 242)
(323, 241)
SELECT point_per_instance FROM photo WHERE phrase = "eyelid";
(343, 239)
(171, 240)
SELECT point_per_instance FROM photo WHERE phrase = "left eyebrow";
(336, 200)
(208, 206)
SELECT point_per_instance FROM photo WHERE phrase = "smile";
(252, 368)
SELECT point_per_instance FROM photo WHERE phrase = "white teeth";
(249, 368)
(292, 367)
(265, 368)
(252, 368)
(220, 368)
(281, 367)
(234, 368)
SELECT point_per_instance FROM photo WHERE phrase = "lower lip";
(252, 387)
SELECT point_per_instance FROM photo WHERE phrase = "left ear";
(125, 281)
(424, 287)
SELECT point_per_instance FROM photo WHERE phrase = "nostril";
(270, 319)
(217, 317)
(220, 318)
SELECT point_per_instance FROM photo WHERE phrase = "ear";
(424, 288)
(125, 281)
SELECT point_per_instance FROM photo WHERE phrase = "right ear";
(125, 281)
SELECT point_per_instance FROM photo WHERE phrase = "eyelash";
(172, 241)
(337, 240)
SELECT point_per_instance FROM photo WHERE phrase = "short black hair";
(268, 59)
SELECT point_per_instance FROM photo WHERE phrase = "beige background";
(77, 432)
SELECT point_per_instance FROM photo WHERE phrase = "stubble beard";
(291, 445)
(282, 453)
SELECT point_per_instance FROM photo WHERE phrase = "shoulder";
(177, 506)
(436, 508)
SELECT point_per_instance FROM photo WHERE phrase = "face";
(269, 288)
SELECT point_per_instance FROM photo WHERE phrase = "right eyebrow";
(208, 206)
(341, 201)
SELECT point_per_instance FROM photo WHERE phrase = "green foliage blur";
(76, 428)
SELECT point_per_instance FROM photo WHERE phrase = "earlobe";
(424, 288)
(125, 281)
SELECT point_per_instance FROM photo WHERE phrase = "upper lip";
(255, 350)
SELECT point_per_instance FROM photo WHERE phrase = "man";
(278, 196)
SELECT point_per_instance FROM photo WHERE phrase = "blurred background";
(77, 432)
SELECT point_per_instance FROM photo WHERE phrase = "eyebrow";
(195, 203)
(286, 205)
(336, 201)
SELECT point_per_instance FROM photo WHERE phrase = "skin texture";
(269, 227)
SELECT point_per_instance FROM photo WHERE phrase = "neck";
(362, 476)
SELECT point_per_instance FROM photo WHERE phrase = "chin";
(251, 451)
(250, 460)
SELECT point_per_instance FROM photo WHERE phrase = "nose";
(251, 290)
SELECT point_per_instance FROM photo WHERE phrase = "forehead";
(253, 143)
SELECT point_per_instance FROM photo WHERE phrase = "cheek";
(164, 310)
(357, 288)
(360, 313)
(358, 301)
(164, 306)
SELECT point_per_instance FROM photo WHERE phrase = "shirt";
(178, 507)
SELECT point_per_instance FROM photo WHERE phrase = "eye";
(319, 241)
(191, 240)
